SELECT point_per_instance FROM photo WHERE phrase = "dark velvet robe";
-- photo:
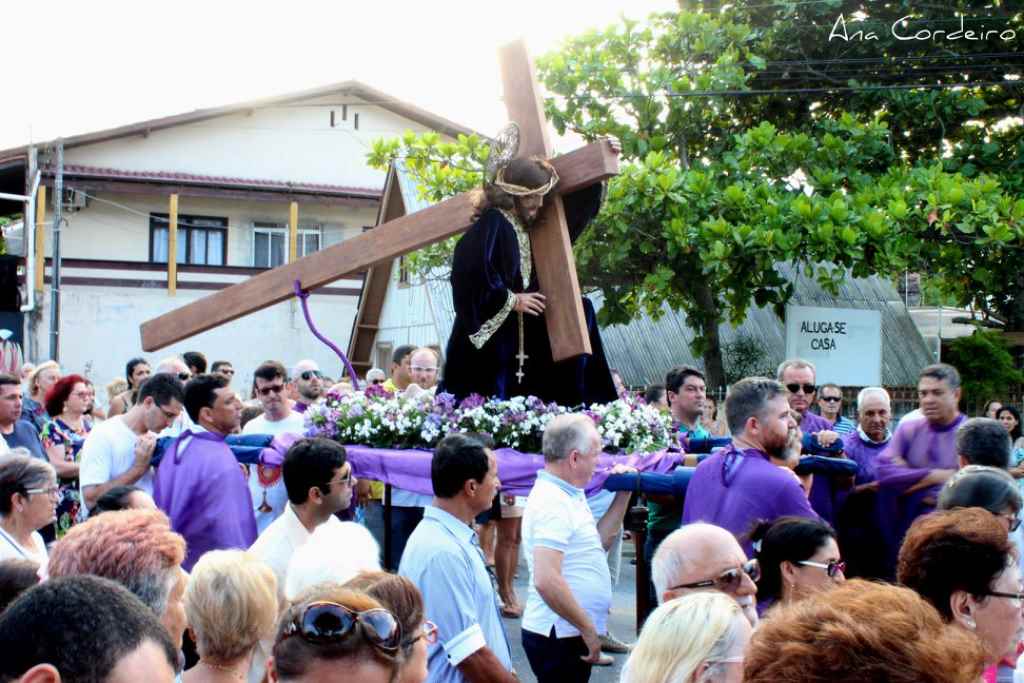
(485, 268)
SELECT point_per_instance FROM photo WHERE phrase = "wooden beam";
(40, 227)
(381, 245)
(172, 246)
(552, 247)
(293, 232)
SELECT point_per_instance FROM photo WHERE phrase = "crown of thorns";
(521, 191)
(504, 148)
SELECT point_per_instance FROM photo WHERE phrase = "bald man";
(702, 557)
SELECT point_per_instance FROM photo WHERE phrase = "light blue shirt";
(443, 558)
(557, 517)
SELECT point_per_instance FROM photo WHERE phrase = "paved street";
(622, 622)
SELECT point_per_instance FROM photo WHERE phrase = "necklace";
(228, 669)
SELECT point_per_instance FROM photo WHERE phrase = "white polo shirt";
(557, 516)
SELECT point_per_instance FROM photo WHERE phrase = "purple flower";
(378, 391)
(472, 401)
(445, 401)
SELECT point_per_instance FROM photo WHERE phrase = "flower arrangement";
(380, 419)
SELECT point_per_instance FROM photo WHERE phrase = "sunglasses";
(832, 568)
(274, 389)
(795, 388)
(831, 399)
(377, 381)
(321, 623)
(310, 374)
(184, 376)
(427, 632)
(729, 580)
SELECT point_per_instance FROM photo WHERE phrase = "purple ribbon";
(303, 295)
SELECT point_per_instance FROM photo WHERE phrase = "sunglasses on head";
(273, 389)
(832, 567)
(729, 580)
(310, 374)
(321, 623)
(795, 388)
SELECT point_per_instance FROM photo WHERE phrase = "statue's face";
(529, 208)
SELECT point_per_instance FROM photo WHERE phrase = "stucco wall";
(291, 142)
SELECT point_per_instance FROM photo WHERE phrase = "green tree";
(716, 189)
(986, 365)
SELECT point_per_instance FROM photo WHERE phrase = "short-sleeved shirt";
(266, 485)
(25, 436)
(109, 452)
(557, 517)
(668, 517)
(443, 558)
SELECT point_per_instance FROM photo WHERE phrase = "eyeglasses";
(344, 481)
(321, 623)
(184, 376)
(419, 368)
(832, 568)
(729, 580)
(51, 491)
(310, 374)
(830, 399)
(428, 632)
(795, 388)
(273, 389)
(1019, 597)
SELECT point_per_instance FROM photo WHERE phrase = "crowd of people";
(136, 544)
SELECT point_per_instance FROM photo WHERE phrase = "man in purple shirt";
(799, 376)
(742, 483)
(199, 483)
(857, 519)
(922, 455)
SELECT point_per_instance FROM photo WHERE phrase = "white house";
(236, 172)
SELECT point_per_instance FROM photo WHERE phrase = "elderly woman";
(137, 549)
(231, 603)
(798, 557)
(63, 436)
(858, 632)
(331, 629)
(697, 638)
(401, 597)
(28, 502)
(964, 564)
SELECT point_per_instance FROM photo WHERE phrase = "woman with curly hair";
(862, 632)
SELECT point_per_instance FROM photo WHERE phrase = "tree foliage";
(986, 364)
(717, 187)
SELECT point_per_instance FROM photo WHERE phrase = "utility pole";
(58, 205)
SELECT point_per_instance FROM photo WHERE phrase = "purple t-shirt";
(865, 453)
(734, 489)
(206, 495)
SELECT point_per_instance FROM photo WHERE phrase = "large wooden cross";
(552, 250)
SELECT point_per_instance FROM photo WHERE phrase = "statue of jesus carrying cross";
(499, 344)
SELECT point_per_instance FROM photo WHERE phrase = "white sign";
(845, 344)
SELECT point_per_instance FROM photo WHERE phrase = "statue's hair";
(527, 172)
